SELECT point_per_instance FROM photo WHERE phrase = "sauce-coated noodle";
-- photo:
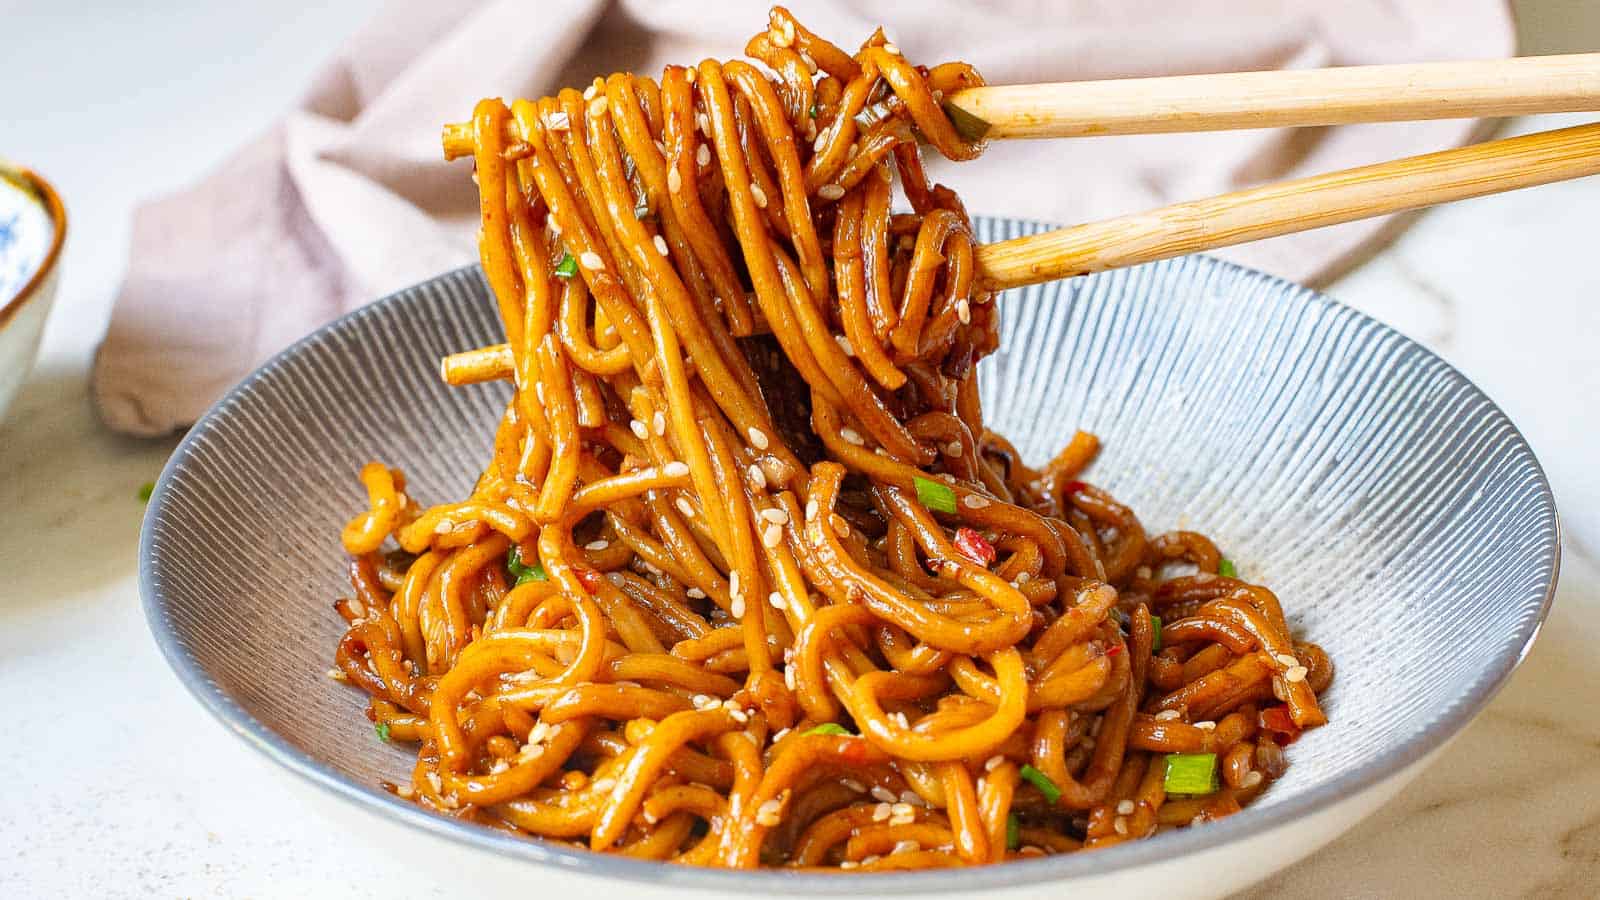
(747, 582)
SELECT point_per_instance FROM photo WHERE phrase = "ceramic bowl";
(1398, 513)
(33, 225)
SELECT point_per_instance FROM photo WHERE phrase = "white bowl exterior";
(20, 337)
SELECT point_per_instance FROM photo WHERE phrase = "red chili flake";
(974, 547)
(1073, 487)
(589, 578)
(1113, 650)
(1277, 721)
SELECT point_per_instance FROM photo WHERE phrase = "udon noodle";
(747, 582)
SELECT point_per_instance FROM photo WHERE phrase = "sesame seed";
(736, 607)
(903, 818)
(695, 593)
(1251, 779)
(739, 715)
(1119, 825)
(733, 582)
(848, 864)
(689, 74)
(769, 813)
(899, 718)
(1023, 578)
(1206, 726)
(912, 797)
(558, 121)
(675, 469)
(821, 141)
(853, 785)
(954, 449)
(596, 545)
(758, 438)
(881, 812)
(591, 260)
(1204, 578)
(405, 792)
(757, 476)
(538, 732)
(879, 792)
(658, 423)
(338, 675)
(844, 345)
(772, 536)
(891, 49)
(811, 510)
(993, 762)
(499, 766)
(788, 678)
(638, 429)
(974, 501)
(758, 195)
(1288, 660)
(776, 600)
(830, 192)
(590, 91)
(1168, 715)
(851, 436)
(702, 155)
(661, 245)
(1295, 674)
(964, 311)
(703, 123)
(687, 508)
(1125, 808)
(674, 180)
(905, 847)
(445, 526)
(603, 785)
(704, 701)
(776, 515)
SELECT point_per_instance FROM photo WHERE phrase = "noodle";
(747, 582)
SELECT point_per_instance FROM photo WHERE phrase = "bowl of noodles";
(723, 533)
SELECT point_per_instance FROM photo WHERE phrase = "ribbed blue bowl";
(1398, 513)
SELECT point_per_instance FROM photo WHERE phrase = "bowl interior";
(1397, 512)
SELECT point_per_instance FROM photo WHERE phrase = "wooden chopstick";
(1289, 206)
(1281, 98)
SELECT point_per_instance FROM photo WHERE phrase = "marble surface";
(103, 799)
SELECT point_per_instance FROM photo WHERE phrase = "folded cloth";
(348, 198)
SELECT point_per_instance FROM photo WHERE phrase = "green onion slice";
(1155, 634)
(522, 572)
(935, 495)
(1227, 569)
(1013, 832)
(568, 266)
(382, 728)
(829, 728)
(812, 112)
(147, 489)
(1041, 781)
(1191, 773)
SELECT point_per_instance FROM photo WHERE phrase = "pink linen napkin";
(347, 198)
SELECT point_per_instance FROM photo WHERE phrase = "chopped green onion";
(1155, 634)
(935, 495)
(812, 112)
(1227, 569)
(382, 728)
(568, 266)
(829, 728)
(1042, 781)
(1013, 832)
(969, 126)
(145, 490)
(1191, 773)
(520, 571)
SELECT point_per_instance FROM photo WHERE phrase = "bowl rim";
(46, 194)
(1253, 822)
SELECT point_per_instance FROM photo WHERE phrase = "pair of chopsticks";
(1505, 87)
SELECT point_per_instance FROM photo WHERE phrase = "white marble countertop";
(97, 802)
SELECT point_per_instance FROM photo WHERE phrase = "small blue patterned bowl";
(32, 227)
